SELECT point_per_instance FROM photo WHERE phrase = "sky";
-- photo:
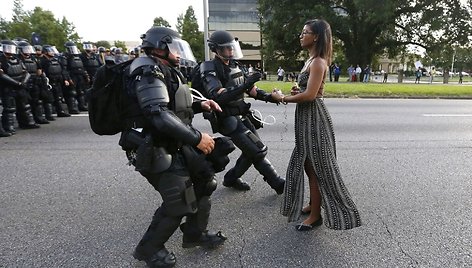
(96, 20)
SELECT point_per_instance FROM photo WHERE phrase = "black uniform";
(56, 74)
(74, 94)
(91, 64)
(38, 89)
(15, 97)
(167, 150)
(235, 121)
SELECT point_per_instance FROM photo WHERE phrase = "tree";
(122, 45)
(366, 28)
(187, 26)
(103, 43)
(160, 21)
(41, 22)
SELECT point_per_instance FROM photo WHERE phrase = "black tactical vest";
(31, 66)
(15, 69)
(54, 69)
(75, 65)
(91, 64)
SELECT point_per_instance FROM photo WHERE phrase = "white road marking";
(447, 115)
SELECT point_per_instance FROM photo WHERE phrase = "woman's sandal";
(308, 227)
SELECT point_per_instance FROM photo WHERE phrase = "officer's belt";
(235, 108)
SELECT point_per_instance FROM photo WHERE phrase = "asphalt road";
(68, 199)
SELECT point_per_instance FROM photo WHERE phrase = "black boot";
(161, 258)
(82, 104)
(62, 114)
(38, 113)
(237, 184)
(59, 110)
(25, 117)
(266, 169)
(48, 112)
(161, 228)
(277, 183)
(194, 237)
(8, 120)
(233, 176)
(3, 133)
(72, 105)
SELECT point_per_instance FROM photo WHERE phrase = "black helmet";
(221, 39)
(50, 50)
(9, 47)
(71, 48)
(25, 48)
(101, 49)
(166, 38)
(158, 37)
(38, 48)
(218, 38)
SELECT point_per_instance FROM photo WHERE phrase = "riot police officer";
(90, 60)
(79, 79)
(169, 146)
(15, 96)
(36, 84)
(58, 77)
(225, 82)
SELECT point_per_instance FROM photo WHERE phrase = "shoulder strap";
(220, 71)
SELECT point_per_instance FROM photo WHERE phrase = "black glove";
(251, 79)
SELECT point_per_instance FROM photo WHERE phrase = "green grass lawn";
(372, 89)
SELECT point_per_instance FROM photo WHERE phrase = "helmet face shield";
(181, 48)
(27, 49)
(8, 48)
(51, 50)
(235, 49)
(54, 50)
(73, 50)
(88, 47)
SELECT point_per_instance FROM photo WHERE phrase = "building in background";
(241, 19)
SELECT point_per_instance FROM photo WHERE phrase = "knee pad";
(250, 145)
(177, 194)
(261, 154)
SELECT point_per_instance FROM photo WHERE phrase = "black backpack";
(108, 101)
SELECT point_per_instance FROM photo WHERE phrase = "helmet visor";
(27, 50)
(181, 48)
(8, 48)
(234, 46)
(54, 50)
(73, 50)
(88, 47)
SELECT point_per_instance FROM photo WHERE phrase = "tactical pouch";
(150, 159)
(198, 167)
(255, 120)
(219, 156)
(211, 117)
(131, 139)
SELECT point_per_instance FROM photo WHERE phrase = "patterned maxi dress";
(314, 141)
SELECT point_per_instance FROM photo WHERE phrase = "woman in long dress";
(315, 148)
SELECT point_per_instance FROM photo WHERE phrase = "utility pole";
(452, 65)
(205, 29)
